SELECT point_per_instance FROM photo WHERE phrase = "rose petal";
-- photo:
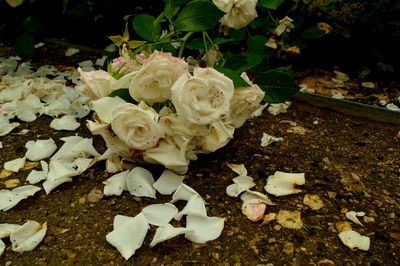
(238, 168)
(242, 183)
(255, 197)
(289, 219)
(140, 183)
(160, 214)
(253, 211)
(167, 232)
(352, 216)
(105, 106)
(268, 139)
(128, 237)
(352, 239)
(116, 184)
(66, 122)
(194, 206)
(7, 229)
(203, 228)
(40, 149)
(74, 147)
(282, 184)
(168, 182)
(59, 173)
(28, 236)
(17, 194)
(15, 165)
(183, 192)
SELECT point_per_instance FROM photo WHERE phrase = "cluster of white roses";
(196, 112)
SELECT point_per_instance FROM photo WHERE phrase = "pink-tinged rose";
(254, 211)
(153, 82)
(239, 13)
(203, 98)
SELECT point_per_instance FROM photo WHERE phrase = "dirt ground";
(334, 151)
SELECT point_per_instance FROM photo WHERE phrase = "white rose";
(203, 98)
(153, 82)
(220, 134)
(136, 125)
(245, 101)
(239, 13)
(98, 84)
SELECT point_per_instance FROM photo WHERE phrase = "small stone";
(290, 219)
(271, 240)
(288, 248)
(368, 84)
(82, 200)
(277, 227)
(343, 226)
(215, 255)
(369, 219)
(325, 262)
(95, 195)
(269, 218)
(392, 215)
(326, 161)
(11, 183)
(331, 194)
(395, 236)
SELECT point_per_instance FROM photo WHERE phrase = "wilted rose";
(153, 82)
(136, 125)
(244, 102)
(203, 98)
(239, 13)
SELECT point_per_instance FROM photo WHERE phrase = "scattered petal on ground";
(195, 205)
(278, 108)
(160, 214)
(28, 236)
(15, 165)
(253, 211)
(255, 197)
(167, 232)
(40, 149)
(66, 122)
(297, 130)
(9, 199)
(203, 228)
(352, 239)
(7, 229)
(35, 176)
(269, 218)
(282, 184)
(238, 168)
(183, 192)
(140, 183)
(352, 216)
(59, 173)
(168, 182)
(116, 184)
(313, 201)
(290, 219)
(2, 247)
(268, 139)
(241, 184)
(129, 236)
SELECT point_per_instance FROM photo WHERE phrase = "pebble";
(369, 219)
(277, 227)
(288, 248)
(95, 195)
(368, 84)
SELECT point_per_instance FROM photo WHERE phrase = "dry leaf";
(290, 219)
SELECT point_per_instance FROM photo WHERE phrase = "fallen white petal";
(128, 237)
(59, 173)
(74, 147)
(238, 168)
(66, 122)
(183, 192)
(5, 126)
(160, 214)
(28, 236)
(253, 211)
(203, 228)
(116, 184)
(71, 51)
(168, 182)
(6, 197)
(393, 107)
(352, 216)
(241, 184)
(120, 220)
(21, 193)
(40, 149)
(2, 247)
(7, 229)
(352, 239)
(194, 206)
(82, 164)
(35, 177)
(268, 139)
(255, 197)
(15, 165)
(140, 183)
(167, 232)
(282, 184)
(278, 108)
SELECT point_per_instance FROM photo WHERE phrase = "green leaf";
(175, 3)
(123, 94)
(220, 40)
(146, 27)
(198, 15)
(135, 44)
(345, 32)
(170, 11)
(312, 33)
(24, 45)
(196, 43)
(242, 62)
(271, 4)
(238, 81)
(278, 86)
(237, 35)
(386, 67)
(33, 24)
(118, 40)
(256, 44)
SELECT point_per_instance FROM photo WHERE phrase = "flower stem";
(184, 40)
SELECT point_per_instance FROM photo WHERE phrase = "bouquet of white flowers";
(175, 111)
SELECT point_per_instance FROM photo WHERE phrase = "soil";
(351, 163)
